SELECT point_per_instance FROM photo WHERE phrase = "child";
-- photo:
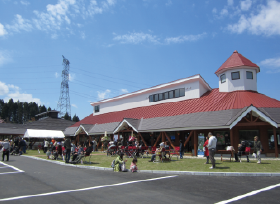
(133, 165)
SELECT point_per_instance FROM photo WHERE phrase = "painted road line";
(17, 170)
(4, 167)
(85, 189)
(249, 194)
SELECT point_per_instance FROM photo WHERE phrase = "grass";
(186, 164)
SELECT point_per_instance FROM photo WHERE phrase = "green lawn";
(186, 164)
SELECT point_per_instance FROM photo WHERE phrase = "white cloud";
(4, 89)
(230, 2)
(103, 95)
(224, 12)
(266, 21)
(54, 36)
(26, 3)
(22, 97)
(124, 90)
(168, 3)
(71, 77)
(214, 10)
(11, 91)
(245, 5)
(185, 38)
(136, 38)
(2, 30)
(83, 35)
(4, 57)
(74, 105)
(273, 64)
(20, 24)
(56, 75)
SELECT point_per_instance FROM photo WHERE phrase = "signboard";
(201, 141)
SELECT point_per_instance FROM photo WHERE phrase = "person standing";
(257, 148)
(46, 145)
(206, 152)
(6, 149)
(212, 142)
(181, 149)
(67, 145)
(22, 145)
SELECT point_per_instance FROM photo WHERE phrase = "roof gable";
(236, 60)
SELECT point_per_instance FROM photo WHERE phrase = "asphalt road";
(26, 180)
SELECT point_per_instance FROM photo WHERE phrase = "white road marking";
(85, 189)
(17, 170)
(4, 167)
(249, 194)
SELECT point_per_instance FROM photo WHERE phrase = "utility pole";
(63, 104)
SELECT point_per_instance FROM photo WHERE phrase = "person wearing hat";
(6, 149)
(119, 161)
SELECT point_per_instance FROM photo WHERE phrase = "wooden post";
(189, 137)
(275, 142)
(195, 143)
(139, 134)
(231, 137)
(155, 144)
(163, 137)
(169, 140)
(118, 135)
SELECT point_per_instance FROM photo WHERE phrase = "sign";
(201, 141)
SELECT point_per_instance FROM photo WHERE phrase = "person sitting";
(20, 152)
(133, 165)
(78, 153)
(119, 162)
(89, 149)
(157, 153)
(241, 150)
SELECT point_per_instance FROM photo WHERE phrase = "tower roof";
(236, 60)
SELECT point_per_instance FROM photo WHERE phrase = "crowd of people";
(15, 146)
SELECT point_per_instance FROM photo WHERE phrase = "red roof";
(210, 101)
(236, 60)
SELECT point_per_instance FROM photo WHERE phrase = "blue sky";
(120, 46)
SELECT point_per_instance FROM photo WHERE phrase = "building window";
(156, 97)
(182, 92)
(248, 136)
(160, 96)
(235, 75)
(166, 95)
(249, 75)
(223, 78)
(171, 94)
(96, 109)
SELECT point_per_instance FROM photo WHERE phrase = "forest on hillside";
(22, 112)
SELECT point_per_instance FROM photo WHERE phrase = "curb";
(192, 173)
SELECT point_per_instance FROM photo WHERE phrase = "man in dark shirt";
(67, 145)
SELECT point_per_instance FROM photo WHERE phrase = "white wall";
(193, 89)
(240, 84)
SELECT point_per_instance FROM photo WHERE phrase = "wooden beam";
(252, 124)
(195, 143)
(139, 134)
(168, 138)
(189, 137)
(231, 137)
(256, 119)
(157, 139)
(247, 119)
(251, 114)
(275, 142)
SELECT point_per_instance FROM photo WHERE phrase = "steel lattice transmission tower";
(63, 104)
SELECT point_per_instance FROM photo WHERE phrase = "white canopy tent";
(32, 133)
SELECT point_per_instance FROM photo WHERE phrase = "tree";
(49, 109)
(76, 118)
(42, 109)
(67, 117)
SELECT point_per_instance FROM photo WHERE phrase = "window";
(177, 91)
(171, 94)
(182, 92)
(223, 78)
(156, 97)
(249, 75)
(96, 109)
(160, 96)
(235, 75)
(166, 95)
(248, 136)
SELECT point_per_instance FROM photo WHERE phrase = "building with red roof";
(187, 109)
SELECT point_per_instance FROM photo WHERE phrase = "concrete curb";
(195, 173)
